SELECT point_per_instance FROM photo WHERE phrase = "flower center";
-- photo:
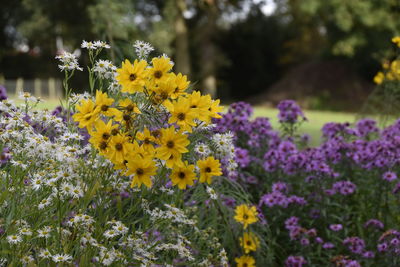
(158, 74)
(170, 144)
(139, 171)
(248, 243)
(103, 145)
(132, 77)
(245, 216)
(208, 169)
(146, 141)
(129, 108)
(105, 136)
(104, 108)
(126, 117)
(114, 131)
(181, 116)
(181, 175)
(118, 146)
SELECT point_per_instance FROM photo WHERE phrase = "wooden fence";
(50, 88)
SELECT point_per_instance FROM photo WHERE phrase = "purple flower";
(344, 187)
(389, 176)
(291, 222)
(374, 223)
(328, 245)
(289, 112)
(295, 261)
(368, 254)
(242, 157)
(382, 247)
(354, 244)
(336, 227)
(3, 93)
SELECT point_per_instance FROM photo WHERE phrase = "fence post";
(19, 86)
(37, 85)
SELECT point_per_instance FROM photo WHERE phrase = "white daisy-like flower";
(61, 258)
(110, 233)
(25, 231)
(14, 239)
(45, 232)
(211, 193)
(45, 254)
(142, 49)
(88, 45)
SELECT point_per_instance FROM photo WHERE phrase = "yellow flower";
(103, 105)
(100, 137)
(147, 140)
(119, 148)
(396, 40)
(214, 109)
(246, 215)
(249, 242)
(183, 175)
(181, 85)
(87, 114)
(181, 114)
(209, 167)
(245, 261)
(379, 77)
(132, 77)
(172, 144)
(201, 105)
(142, 169)
(163, 90)
(129, 106)
(160, 69)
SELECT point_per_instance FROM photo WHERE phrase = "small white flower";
(25, 231)
(62, 258)
(14, 239)
(212, 193)
(142, 49)
(27, 259)
(45, 254)
(110, 233)
(45, 232)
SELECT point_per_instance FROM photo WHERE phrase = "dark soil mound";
(325, 85)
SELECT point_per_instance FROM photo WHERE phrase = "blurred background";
(321, 53)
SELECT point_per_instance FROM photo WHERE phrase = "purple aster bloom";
(3, 93)
(336, 227)
(319, 240)
(365, 127)
(374, 223)
(354, 244)
(389, 176)
(328, 245)
(289, 112)
(295, 261)
(5, 155)
(304, 242)
(291, 222)
(368, 254)
(242, 157)
(280, 186)
(382, 247)
(344, 187)
(396, 189)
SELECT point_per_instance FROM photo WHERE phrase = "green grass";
(49, 104)
(316, 119)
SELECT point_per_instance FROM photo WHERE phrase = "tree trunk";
(208, 50)
(182, 55)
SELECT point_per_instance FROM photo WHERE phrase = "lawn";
(316, 119)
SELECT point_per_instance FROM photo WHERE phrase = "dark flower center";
(244, 265)
(193, 106)
(129, 108)
(158, 74)
(105, 136)
(118, 146)
(170, 144)
(245, 216)
(146, 141)
(181, 116)
(164, 95)
(104, 108)
(114, 131)
(132, 77)
(208, 169)
(181, 175)
(139, 171)
(126, 117)
(103, 145)
(248, 243)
